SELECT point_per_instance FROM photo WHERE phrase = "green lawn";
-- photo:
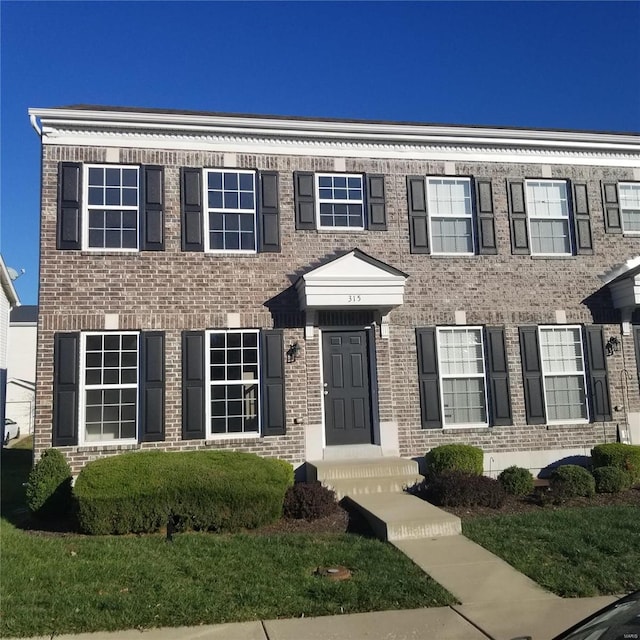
(574, 552)
(53, 584)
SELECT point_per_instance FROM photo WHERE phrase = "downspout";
(34, 124)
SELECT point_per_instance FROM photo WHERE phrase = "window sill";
(550, 426)
(560, 256)
(212, 440)
(108, 446)
(466, 427)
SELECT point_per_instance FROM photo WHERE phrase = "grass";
(53, 584)
(573, 552)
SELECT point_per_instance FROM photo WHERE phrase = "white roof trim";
(7, 285)
(630, 267)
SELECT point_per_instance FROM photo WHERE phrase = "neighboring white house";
(8, 300)
(21, 366)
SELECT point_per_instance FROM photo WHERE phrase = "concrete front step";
(363, 468)
(400, 516)
(380, 484)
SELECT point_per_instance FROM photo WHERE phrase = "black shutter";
(598, 378)
(611, 207)
(151, 208)
(485, 224)
(269, 213)
(636, 341)
(305, 200)
(69, 227)
(518, 217)
(191, 209)
(532, 376)
(65, 389)
(376, 208)
(431, 415)
(581, 219)
(272, 378)
(151, 393)
(498, 378)
(418, 218)
(193, 385)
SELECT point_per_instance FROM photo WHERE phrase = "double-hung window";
(230, 216)
(563, 373)
(450, 215)
(462, 376)
(548, 214)
(340, 201)
(629, 193)
(112, 207)
(232, 361)
(109, 387)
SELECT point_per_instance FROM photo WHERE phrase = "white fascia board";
(7, 285)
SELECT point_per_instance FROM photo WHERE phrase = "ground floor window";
(233, 381)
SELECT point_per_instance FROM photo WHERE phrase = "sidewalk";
(540, 619)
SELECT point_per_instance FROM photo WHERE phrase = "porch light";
(612, 346)
(292, 352)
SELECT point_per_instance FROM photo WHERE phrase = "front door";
(347, 397)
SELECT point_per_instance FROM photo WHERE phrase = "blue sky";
(570, 65)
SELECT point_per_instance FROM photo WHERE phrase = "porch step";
(400, 516)
(384, 467)
(379, 484)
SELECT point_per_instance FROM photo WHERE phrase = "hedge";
(571, 481)
(454, 457)
(616, 454)
(142, 492)
(517, 481)
(48, 491)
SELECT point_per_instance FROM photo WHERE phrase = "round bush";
(571, 481)
(517, 481)
(616, 454)
(461, 489)
(49, 486)
(611, 479)
(309, 501)
(454, 457)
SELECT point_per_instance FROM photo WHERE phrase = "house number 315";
(354, 299)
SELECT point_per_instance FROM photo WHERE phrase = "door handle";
(326, 393)
(326, 384)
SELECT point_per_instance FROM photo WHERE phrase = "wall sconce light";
(612, 346)
(292, 352)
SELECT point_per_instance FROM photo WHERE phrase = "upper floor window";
(451, 215)
(630, 206)
(340, 201)
(548, 211)
(230, 218)
(112, 201)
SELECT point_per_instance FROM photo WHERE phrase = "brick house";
(314, 289)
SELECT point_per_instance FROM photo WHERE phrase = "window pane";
(463, 401)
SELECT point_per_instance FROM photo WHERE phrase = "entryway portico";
(347, 301)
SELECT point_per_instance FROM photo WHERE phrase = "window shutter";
(498, 378)
(69, 227)
(431, 414)
(272, 378)
(268, 213)
(151, 208)
(598, 378)
(518, 217)
(376, 208)
(581, 219)
(485, 224)
(418, 218)
(193, 381)
(532, 376)
(151, 376)
(191, 209)
(305, 200)
(636, 341)
(611, 207)
(65, 389)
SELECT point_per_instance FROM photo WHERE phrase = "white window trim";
(82, 388)
(568, 218)
(583, 373)
(86, 209)
(622, 209)
(431, 216)
(209, 435)
(207, 211)
(319, 200)
(483, 376)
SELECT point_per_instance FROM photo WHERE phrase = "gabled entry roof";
(623, 282)
(353, 280)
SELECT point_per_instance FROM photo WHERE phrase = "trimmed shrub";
(454, 457)
(611, 479)
(48, 490)
(462, 489)
(309, 501)
(141, 492)
(571, 481)
(517, 481)
(616, 454)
